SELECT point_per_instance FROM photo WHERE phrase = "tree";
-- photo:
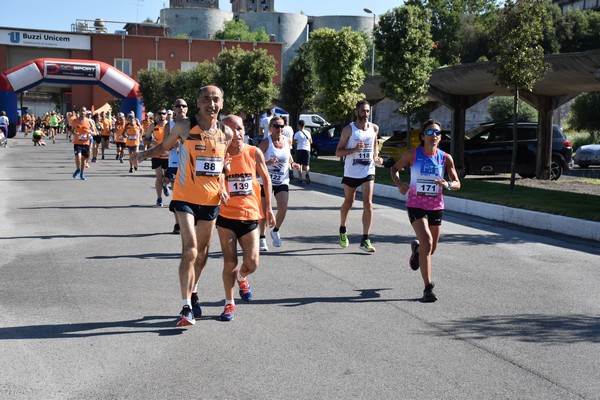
(585, 116)
(519, 54)
(298, 89)
(403, 43)
(501, 108)
(237, 29)
(338, 61)
(246, 77)
(448, 19)
(153, 85)
(578, 30)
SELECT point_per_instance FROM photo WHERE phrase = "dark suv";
(488, 149)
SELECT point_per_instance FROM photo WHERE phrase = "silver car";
(587, 155)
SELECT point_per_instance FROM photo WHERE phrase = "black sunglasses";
(278, 126)
(180, 105)
(162, 113)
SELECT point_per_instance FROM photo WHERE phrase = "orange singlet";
(201, 162)
(244, 190)
(133, 135)
(81, 136)
(159, 135)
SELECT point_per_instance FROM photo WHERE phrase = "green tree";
(578, 31)
(449, 19)
(338, 60)
(246, 77)
(298, 89)
(519, 54)
(585, 116)
(154, 85)
(237, 29)
(501, 108)
(403, 43)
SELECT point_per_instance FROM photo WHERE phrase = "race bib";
(132, 137)
(208, 166)
(82, 138)
(427, 187)
(239, 186)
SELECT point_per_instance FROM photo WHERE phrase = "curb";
(532, 219)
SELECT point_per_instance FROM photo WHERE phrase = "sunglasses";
(180, 105)
(161, 113)
(430, 132)
(278, 126)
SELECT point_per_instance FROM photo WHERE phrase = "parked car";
(587, 155)
(488, 149)
(326, 140)
(393, 148)
(313, 120)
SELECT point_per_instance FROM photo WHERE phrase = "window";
(123, 65)
(156, 64)
(188, 65)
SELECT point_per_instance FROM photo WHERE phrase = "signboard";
(44, 39)
(73, 70)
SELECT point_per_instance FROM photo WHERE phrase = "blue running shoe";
(82, 176)
(186, 317)
(245, 290)
(166, 191)
(196, 309)
(227, 315)
(76, 173)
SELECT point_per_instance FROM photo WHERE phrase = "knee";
(190, 254)
(426, 247)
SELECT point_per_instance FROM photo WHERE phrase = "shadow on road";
(534, 328)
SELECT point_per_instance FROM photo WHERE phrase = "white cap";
(149, 115)
(169, 112)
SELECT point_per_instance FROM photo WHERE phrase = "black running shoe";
(176, 230)
(413, 261)
(428, 295)
(196, 309)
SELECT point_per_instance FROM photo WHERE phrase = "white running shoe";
(276, 239)
(263, 245)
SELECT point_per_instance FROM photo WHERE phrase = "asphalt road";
(89, 295)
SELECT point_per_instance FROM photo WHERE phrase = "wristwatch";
(449, 185)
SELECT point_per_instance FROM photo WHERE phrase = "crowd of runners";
(216, 179)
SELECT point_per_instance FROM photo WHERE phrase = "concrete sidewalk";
(533, 219)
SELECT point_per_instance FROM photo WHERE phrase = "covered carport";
(460, 87)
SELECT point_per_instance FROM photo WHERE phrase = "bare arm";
(341, 150)
(454, 182)
(166, 145)
(406, 159)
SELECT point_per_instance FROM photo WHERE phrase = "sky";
(59, 16)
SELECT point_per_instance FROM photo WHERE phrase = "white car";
(313, 120)
(587, 155)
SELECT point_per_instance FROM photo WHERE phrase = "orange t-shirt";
(201, 163)
(158, 133)
(120, 137)
(81, 128)
(244, 190)
(132, 132)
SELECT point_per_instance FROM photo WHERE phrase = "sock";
(365, 237)
(342, 229)
(276, 229)
(262, 237)
(195, 288)
(227, 302)
(187, 302)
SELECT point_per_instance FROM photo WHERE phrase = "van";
(313, 120)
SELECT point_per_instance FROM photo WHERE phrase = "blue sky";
(58, 16)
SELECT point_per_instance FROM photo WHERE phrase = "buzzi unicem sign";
(44, 39)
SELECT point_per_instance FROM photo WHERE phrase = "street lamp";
(368, 11)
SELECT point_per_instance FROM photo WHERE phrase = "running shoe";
(130, 170)
(428, 295)
(94, 159)
(263, 245)
(196, 309)
(103, 156)
(117, 157)
(158, 201)
(344, 242)
(413, 261)
(176, 230)
(82, 176)
(121, 160)
(76, 173)
(166, 191)
(186, 317)
(227, 315)
(276, 239)
(307, 179)
(245, 290)
(366, 246)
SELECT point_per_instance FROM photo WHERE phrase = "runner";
(53, 122)
(425, 202)
(278, 156)
(97, 139)
(83, 129)
(154, 136)
(358, 144)
(238, 218)
(105, 132)
(199, 190)
(120, 137)
(132, 132)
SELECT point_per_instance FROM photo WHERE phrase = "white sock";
(195, 289)
(187, 302)
(227, 302)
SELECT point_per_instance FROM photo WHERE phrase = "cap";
(150, 115)
(169, 112)
(121, 114)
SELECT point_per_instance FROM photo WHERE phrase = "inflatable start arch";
(59, 70)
